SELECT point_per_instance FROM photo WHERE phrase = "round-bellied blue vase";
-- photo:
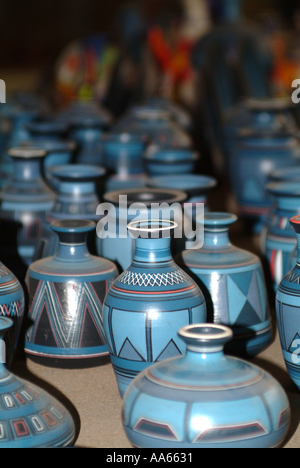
(12, 305)
(255, 157)
(66, 294)
(25, 201)
(76, 198)
(205, 399)
(170, 161)
(29, 416)
(278, 239)
(146, 303)
(232, 281)
(288, 312)
(123, 206)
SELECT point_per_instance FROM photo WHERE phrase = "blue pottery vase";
(278, 239)
(288, 312)
(25, 201)
(233, 283)
(123, 206)
(29, 416)
(205, 399)
(170, 162)
(147, 303)
(66, 294)
(76, 198)
(256, 156)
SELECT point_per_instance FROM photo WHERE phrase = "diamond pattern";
(155, 279)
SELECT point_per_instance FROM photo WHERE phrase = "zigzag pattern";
(155, 279)
(66, 314)
(11, 310)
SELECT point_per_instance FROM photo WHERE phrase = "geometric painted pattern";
(231, 433)
(155, 429)
(157, 279)
(66, 315)
(14, 309)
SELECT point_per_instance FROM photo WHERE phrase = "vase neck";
(71, 252)
(76, 189)
(29, 169)
(152, 250)
(216, 239)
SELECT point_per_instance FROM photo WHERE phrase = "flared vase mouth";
(72, 226)
(153, 228)
(291, 173)
(284, 188)
(26, 152)
(217, 221)
(77, 172)
(51, 146)
(206, 337)
(146, 196)
(186, 182)
(170, 156)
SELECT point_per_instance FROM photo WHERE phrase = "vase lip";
(50, 145)
(5, 323)
(172, 155)
(152, 226)
(73, 225)
(26, 152)
(267, 104)
(77, 172)
(146, 196)
(124, 138)
(183, 181)
(291, 173)
(217, 220)
(284, 188)
(206, 332)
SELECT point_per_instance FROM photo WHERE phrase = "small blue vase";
(205, 399)
(146, 304)
(123, 206)
(278, 239)
(25, 201)
(288, 312)
(30, 417)
(233, 283)
(76, 198)
(66, 294)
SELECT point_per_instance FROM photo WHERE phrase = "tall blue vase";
(76, 198)
(288, 312)
(234, 286)
(205, 399)
(25, 201)
(30, 416)
(66, 294)
(147, 303)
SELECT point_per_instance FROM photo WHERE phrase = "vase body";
(123, 206)
(12, 305)
(205, 399)
(233, 283)
(255, 157)
(76, 198)
(288, 313)
(278, 239)
(30, 417)
(145, 305)
(25, 201)
(66, 294)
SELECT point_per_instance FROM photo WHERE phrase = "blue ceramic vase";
(288, 312)
(205, 399)
(233, 283)
(123, 206)
(25, 201)
(257, 155)
(66, 294)
(76, 198)
(29, 416)
(147, 303)
(278, 239)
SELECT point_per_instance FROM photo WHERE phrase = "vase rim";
(284, 188)
(186, 181)
(73, 172)
(73, 225)
(217, 219)
(27, 152)
(147, 196)
(206, 332)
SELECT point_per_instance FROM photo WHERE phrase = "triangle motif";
(248, 317)
(253, 297)
(236, 299)
(129, 352)
(170, 350)
(294, 346)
